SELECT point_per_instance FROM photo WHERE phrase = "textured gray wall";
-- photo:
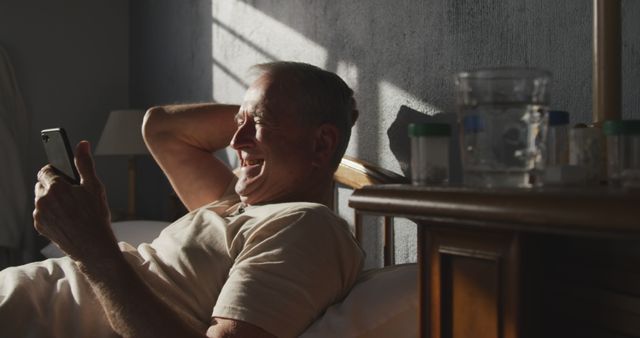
(399, 56)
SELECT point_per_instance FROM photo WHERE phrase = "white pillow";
(132, 232)
(383, 303)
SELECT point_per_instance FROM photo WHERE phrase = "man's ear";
(326, 142)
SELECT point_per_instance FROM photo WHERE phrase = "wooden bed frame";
(355, 174)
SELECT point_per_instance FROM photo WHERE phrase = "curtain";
(14, 145)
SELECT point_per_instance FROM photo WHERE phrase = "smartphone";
(56, 145)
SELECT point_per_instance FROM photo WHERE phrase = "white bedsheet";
(49, 299)
(383, 303)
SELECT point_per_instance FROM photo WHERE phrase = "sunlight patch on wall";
(243, 36)
(348, 71)
(352, 148)
(392, 97)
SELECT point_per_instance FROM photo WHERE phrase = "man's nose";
(244, 135)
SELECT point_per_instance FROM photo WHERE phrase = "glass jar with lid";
(429, 153)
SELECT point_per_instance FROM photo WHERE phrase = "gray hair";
(321, 97)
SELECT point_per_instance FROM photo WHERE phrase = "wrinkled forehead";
(270, 95)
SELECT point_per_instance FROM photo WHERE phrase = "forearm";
(130, 305)
(208, 126)
(76, 217)
(182, 138)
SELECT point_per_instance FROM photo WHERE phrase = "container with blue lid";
(558, 118)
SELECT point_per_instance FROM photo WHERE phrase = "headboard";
(355, 174)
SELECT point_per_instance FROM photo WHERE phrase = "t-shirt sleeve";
(289, 271)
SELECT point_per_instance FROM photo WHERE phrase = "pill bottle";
(557, 143)
(430, 153)
(623, 152)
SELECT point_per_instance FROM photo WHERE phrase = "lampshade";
(121, 135)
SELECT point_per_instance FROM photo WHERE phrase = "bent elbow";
(152, 122)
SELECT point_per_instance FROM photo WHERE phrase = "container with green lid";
(429, 129)
(429, 153)
(623, 152)
(621, 127)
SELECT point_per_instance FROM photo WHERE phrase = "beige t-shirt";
(276, 266)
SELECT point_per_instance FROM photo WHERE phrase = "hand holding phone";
(59, 153)
(74, 216)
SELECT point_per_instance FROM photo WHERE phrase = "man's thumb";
(84, 164)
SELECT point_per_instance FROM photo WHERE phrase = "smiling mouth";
(252, 162)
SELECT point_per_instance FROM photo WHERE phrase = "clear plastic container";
(557, 170)
(623, 152)
(586, 152)
(430, 153)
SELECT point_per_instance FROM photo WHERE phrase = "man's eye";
(239, 121)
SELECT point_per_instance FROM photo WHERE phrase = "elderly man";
(261, 260)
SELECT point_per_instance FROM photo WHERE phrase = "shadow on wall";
(170, 52)
(171, 44)
(400, 143)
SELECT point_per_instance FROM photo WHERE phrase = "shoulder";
(301, 220)
(296, 208)
(299, 213)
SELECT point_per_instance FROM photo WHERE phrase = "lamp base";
(131, 196)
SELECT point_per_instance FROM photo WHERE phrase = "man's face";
(274, 149)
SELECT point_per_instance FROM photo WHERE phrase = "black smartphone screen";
(56, 145)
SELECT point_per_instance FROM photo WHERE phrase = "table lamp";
(122, 136)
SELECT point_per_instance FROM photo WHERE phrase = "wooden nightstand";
(520, 263)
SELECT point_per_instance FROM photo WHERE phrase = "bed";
(384, 301)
